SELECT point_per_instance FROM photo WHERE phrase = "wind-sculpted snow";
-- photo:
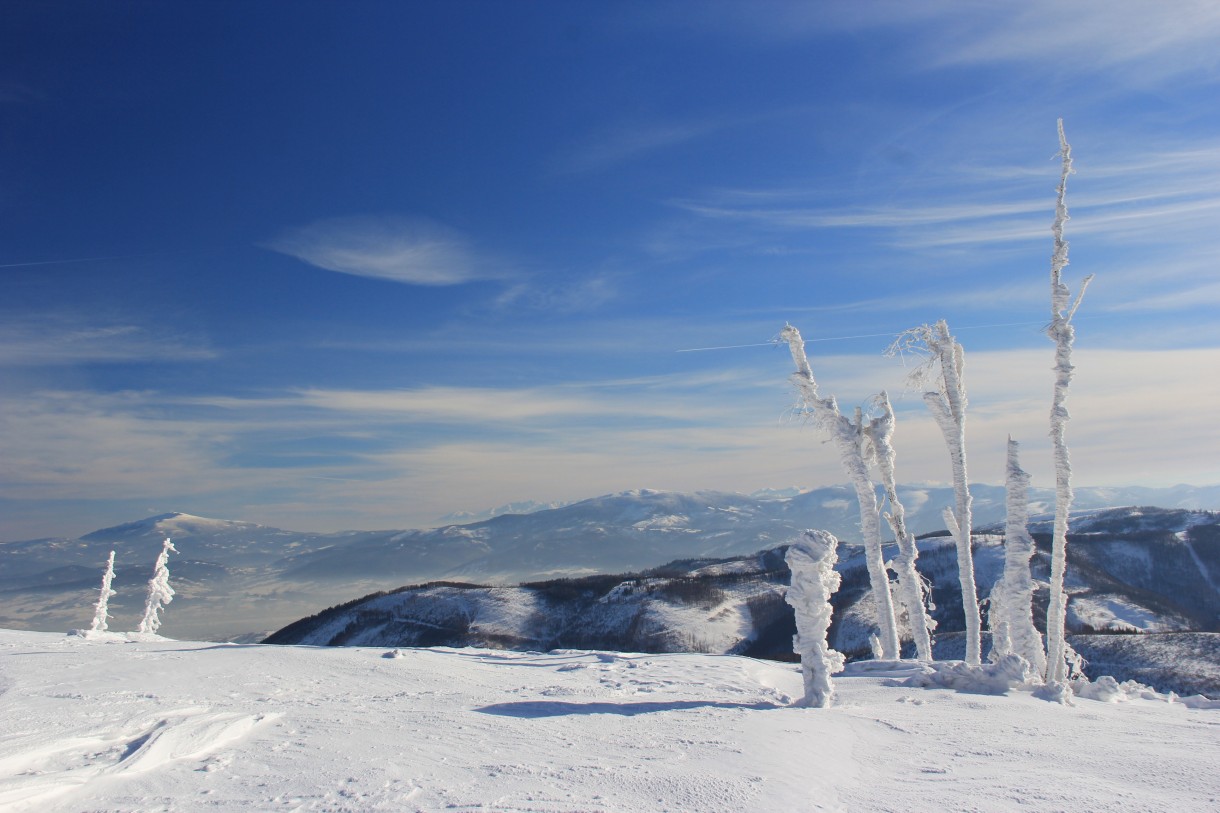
(811, 559)
(178, 726)
(1011, 612)
(159, 591)
(945, 371)
(848, 438)
(101, 610)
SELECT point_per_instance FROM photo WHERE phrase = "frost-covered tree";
(1061, 332)
(102, 611)
(947, 404)
(911, 592)
(1012, 612)
(159, 591)
(848, 438)
(811, 559)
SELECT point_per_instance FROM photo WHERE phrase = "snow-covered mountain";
(1132, 570)
(179, 726)
(519, 507)
(639, 529)
(238, 578)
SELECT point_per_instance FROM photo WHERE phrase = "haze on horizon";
(324, 266)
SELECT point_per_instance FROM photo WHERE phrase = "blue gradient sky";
(336, 265)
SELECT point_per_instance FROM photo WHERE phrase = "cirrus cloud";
(413, 251)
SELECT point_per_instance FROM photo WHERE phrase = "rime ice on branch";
(880, 434)
(159, 591)
(848, 440)
(811, 559)
(1012, 614)
(102, 610)
(947, 404)
(1062, 334)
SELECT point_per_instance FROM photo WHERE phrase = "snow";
(1194, 555)
(1011, 615)
(1111, 613)
(947, 403)
(911, 593)
(101, 610)
(672, 522)
(811, 559)
(166, 725)
(160, 592)
(1063, 334)
(847, 437)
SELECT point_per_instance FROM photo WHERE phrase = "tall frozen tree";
(159, 591)
(848, 440)
(1063, 334)
(102, 611)
(811, 560)
(880, 434)
(1012, 612)
(947, 403)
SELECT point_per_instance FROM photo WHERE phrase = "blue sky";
(360, 265)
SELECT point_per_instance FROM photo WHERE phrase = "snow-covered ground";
(168, 725)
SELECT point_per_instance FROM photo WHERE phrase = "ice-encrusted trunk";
(948, 407)
(102, 611)
(159, 591)
(1012, 613)
(811, 559)
(1062, 334)
(847, 437)
(880, 433)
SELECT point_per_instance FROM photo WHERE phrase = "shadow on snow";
(542, 708)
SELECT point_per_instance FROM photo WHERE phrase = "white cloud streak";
(576, 295)
(64, 339)
(725, 430)
(628, 142)
(412, 251)
(1149, 41)
(1167, 197)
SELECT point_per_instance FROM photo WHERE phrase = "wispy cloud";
(1145, 38)
(413, 251)
(888, 217)
(627, 142)
(723, 430)
(1084, 35)
(60, 339)
(1167, 195)
(90, 445)
(566, 296)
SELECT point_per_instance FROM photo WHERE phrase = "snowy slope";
(680, 608)
(735, 605)
(178, 726)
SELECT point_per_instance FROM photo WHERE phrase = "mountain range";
(1132, 570)
(239, 580)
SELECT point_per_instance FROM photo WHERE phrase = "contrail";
(845, 338)
(724, 347)
(66, 262)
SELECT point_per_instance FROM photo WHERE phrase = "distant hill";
(241, 580)
(1131, 570)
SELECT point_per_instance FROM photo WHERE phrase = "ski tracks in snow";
(32, 776)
